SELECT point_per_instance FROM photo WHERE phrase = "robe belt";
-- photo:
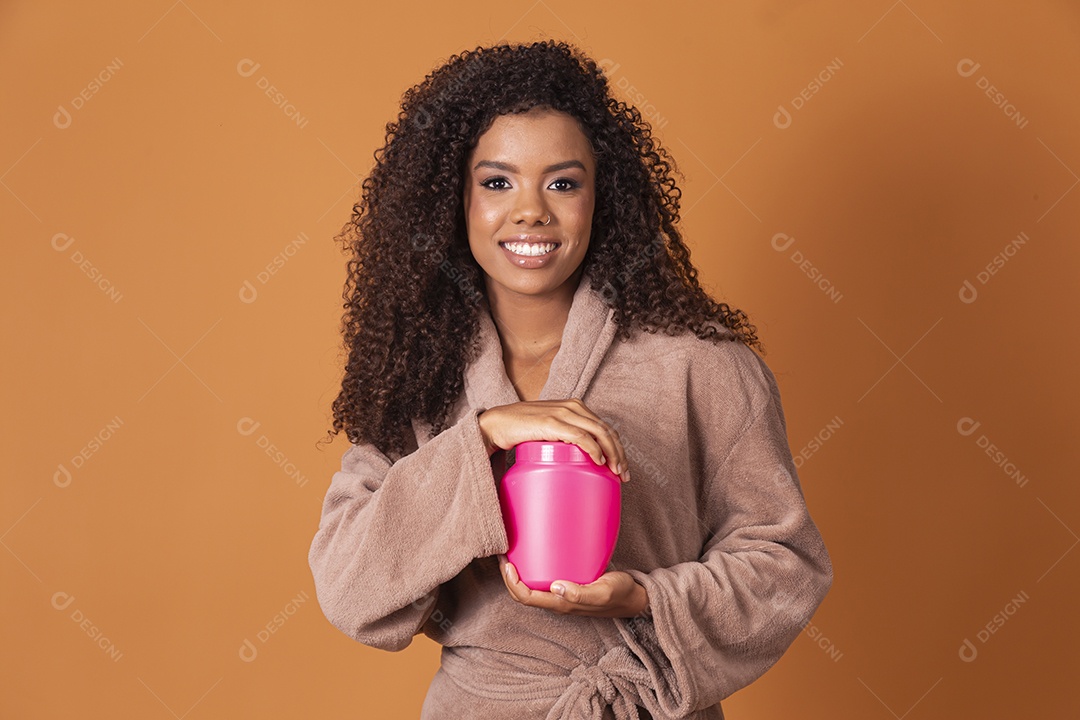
(582, 695)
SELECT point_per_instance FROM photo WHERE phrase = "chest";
(528, 378)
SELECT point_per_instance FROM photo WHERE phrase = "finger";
(617, 442)
(596, 438)
(505, 568)
(510, 573)
(592, 446)
(502, 567)
(599, 440)
(610, 445)
(525, 595)
(607, 437)
(585, 596)
(578, 430)
(568, 591)
(521, 592)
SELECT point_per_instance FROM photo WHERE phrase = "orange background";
(179, 180)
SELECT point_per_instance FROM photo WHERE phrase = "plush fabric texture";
(714, 525)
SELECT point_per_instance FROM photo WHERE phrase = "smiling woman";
(515, 255)
(528, 222)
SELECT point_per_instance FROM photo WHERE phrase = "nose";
(529, 209)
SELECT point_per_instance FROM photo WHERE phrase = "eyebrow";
(512, 168)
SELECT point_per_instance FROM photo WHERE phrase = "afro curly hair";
(414, 292)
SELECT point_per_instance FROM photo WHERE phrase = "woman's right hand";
(504, 426)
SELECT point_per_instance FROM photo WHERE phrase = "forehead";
(538, 135)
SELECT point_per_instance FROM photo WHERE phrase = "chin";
(530, 282)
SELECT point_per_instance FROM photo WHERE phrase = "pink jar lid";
(549, 451)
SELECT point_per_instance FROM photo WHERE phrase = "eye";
(567, 184)
(493, 183)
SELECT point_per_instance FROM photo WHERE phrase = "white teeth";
(530, 249)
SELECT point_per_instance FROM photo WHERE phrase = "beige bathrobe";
(714, 526)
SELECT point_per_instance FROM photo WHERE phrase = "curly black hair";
(414, 292)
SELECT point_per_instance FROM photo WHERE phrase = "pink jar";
(561, 512)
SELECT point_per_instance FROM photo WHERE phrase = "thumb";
(569, 591)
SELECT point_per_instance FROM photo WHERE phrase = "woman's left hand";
(613, 594)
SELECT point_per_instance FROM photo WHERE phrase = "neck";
(531, 326)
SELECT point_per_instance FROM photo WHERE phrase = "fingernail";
(558, 589)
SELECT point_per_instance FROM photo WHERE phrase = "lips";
(529, 252)
(530, 249)
(530, 245)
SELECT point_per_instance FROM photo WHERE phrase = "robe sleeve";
(391, 533)
(718, 623)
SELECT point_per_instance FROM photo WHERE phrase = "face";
(529, 198)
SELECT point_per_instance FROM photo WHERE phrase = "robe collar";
(588, 334)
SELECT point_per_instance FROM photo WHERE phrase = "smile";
(527, 249)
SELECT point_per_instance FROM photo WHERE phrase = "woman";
(515, 256)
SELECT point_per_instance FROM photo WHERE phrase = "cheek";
(583, 213)
(483, 211)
